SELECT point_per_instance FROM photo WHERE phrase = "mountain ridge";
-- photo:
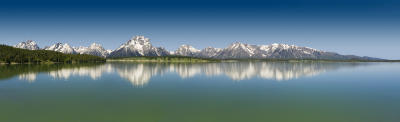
(141, 46)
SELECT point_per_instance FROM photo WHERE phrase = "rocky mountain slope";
(138, 46)
(30, 45)
(63, 48)
(186, 50)
(141, 46)
(239, 50)
(93, 49)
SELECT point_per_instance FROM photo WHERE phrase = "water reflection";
(94, 72)
(30, 77)
(139, 74)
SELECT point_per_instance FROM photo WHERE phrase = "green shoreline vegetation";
(11, 55)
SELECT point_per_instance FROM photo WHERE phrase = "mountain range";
(141, 46)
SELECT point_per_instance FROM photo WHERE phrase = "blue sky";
(360, 27)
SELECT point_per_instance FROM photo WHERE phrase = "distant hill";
(10, 54)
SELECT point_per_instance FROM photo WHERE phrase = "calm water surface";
(203, 92)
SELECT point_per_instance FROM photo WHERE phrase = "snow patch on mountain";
(209, 52)
(63, 48)
(138, 46)
(29, 44)
(93, 49)
(141, 46)
(186, 50)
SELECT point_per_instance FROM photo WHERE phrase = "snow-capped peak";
(93, 49)
(284, 46)
(209, 52)
(64, 48)
(29, 44)
(139, 40)
(189, 48)
(249, 49)
(138, 46)
(212, 48)
(67, 45)
(95, 45)
(186, 50)
(235, 45)
(138, 43)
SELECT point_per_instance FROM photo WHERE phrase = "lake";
(201, 92)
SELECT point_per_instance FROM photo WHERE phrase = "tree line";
(10, 54)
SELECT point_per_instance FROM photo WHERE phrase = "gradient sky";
(360, 27)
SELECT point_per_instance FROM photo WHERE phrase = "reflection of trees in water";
(139, 74)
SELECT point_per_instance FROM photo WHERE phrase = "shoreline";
(196, 60)
(241, 60)
(14, 63)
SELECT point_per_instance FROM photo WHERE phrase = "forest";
(10, 55)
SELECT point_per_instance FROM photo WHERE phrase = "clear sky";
(360, 27)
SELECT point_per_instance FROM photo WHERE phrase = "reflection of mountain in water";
(139, 74)
(30, 77)
(28, 71)
(266, 70)
(94, 72)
